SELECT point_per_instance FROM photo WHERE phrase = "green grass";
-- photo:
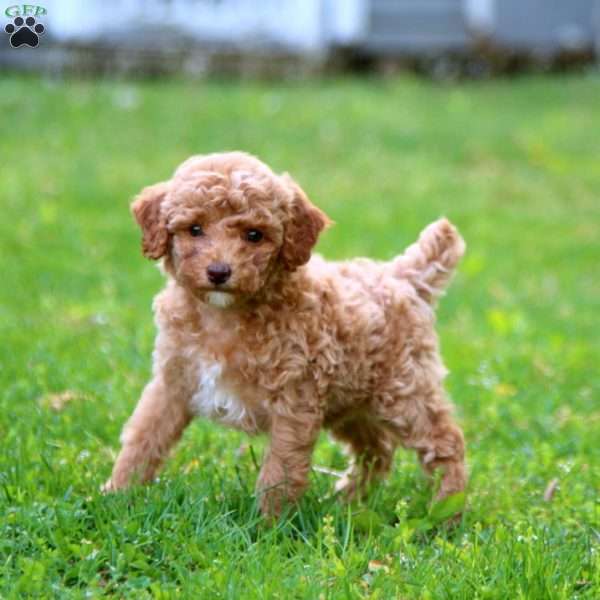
(516, 164)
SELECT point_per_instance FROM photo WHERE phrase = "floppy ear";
(146, 210)
(303, 228)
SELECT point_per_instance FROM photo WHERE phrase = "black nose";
(218, 273)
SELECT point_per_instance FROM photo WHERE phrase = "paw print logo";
(24, 32)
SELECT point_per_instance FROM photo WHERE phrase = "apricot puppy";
(255, 334)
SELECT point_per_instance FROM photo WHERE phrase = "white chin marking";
(220, 299)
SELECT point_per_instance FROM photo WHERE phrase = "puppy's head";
(225, 223)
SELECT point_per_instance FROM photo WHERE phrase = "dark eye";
(196, 230)
(254, 235)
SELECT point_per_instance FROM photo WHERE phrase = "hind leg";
(427, 426)
(372, 449)
(445, 450)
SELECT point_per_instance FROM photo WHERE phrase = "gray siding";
(421, 27)
(544, 25)
(415, 26)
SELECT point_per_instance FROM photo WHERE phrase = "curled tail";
(429, 263)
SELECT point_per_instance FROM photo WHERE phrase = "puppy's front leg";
(156, 424)
(284, 474)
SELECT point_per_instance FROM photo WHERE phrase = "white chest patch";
(219, 299)
(214, 401)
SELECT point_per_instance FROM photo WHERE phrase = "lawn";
(515, 164)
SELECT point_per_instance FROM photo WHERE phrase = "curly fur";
(289, 344)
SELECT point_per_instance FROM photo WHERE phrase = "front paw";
(271, 499)
(110, 486)
(115, 482)
(107, 487)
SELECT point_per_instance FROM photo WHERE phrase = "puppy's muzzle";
(218, 273)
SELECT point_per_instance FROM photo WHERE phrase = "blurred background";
(443, 38)
(389, 113)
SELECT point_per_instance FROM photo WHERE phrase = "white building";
(312, 29)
